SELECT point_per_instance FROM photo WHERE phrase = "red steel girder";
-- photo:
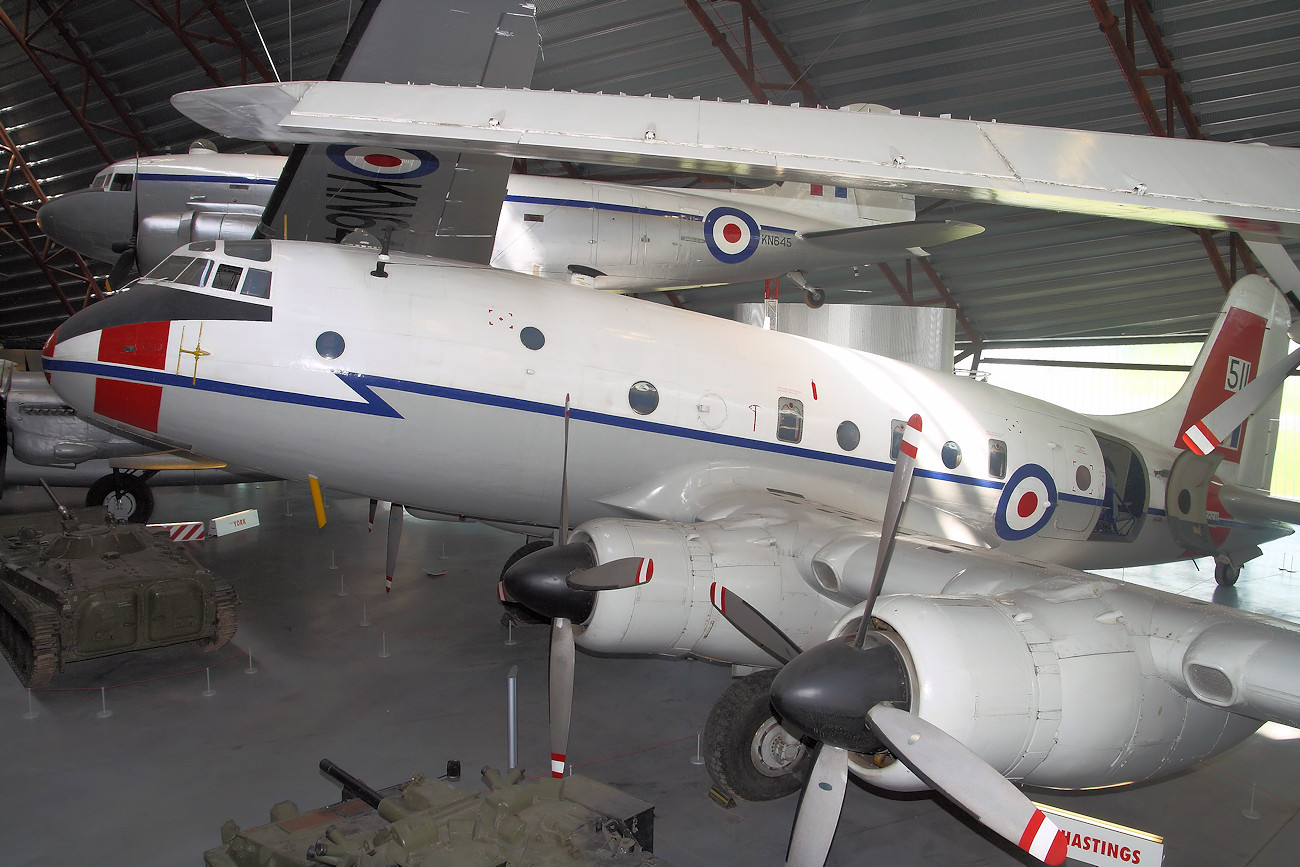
(22, 220)
(1177, 105)
(44, 32)
(751, 20)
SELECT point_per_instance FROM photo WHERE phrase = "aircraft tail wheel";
(747, 752)
(1226, 574)
(134, 504)
(814, 297)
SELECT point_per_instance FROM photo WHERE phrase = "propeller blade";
(1205, 435)
(752, 624)
(394, 542)
(950, 768)
(899, 487)
(561, 686)
(614, 575)
(564, 480)
(370, 523)
(819, 808)
(121, 267)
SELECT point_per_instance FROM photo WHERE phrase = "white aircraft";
(611, 236)
(704, 451)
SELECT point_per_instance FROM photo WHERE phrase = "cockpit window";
(227, 277)
(122, 182)
(100, 180)
(257, 284)
(258, 251)
(169, 268)
(195, 273)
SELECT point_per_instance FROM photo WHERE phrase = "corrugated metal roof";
(1031, 277)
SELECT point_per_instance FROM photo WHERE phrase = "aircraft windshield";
(199, 271)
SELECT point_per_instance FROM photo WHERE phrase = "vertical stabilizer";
(1249, 336)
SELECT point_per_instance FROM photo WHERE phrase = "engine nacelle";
(161, 234)
(1049, 686)
(672, 615)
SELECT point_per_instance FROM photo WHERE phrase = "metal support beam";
(1177, 105)
(906, 292)
(763, 88)
(58, 264)
(186, 26)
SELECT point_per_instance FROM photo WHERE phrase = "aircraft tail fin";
(1249, 337)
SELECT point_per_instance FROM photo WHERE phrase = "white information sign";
(227, 524)
(1092, 841)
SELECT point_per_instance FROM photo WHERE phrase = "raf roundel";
(382, 162)
(1026, 504)
(731, 235)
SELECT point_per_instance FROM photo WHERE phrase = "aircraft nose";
(89, 222)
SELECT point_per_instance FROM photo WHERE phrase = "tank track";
(29, 637)
(227, 604)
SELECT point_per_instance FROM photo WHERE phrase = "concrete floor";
(152, 783)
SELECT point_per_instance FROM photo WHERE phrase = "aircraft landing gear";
(814, 296)
(126, 497)
(1226, 574)
(747, 752)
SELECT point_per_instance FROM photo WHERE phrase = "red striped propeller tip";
(718, 596)
(1043, 840)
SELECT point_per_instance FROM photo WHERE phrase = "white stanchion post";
(343, 590)
(698, 758)
(383, 646)
(365, 621)
(512, 718)
(104, 712)
(252, 669)
(209, 692)
(31, 712)
(510, 634)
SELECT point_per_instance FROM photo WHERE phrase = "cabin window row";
(192, 271)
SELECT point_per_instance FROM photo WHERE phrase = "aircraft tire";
(134, 506)
(814, 297)
(1225, 574)
(746, 752)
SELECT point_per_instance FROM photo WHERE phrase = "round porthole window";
(532, 338)
(951, 455)
(848, 436)
(330, 345)
(1082, 477)
(643, 397)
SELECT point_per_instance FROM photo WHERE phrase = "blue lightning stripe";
(372, 404)
(208, 179)
(627, 209)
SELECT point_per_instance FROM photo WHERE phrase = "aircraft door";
(616, 219)
(1080, 479)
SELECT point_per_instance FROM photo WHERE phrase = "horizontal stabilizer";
(172, 460)
(891, 240)
(1250, 504)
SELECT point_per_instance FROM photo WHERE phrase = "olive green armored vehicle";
(539, 823)
(72, 588)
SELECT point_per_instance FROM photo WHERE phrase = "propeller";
(126, 259)
(1205, 435)
(845, 694)
(562, 648)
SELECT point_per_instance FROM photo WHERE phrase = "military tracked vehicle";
(545, 822)
(73, 588)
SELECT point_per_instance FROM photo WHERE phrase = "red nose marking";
(133, 403)
(731, 232)
(383, 161)
(1028, 504)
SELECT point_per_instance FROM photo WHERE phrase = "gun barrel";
(63, 513)
(350, 783)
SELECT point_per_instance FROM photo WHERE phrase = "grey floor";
(152, 782)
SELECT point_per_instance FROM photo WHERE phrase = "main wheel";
(747, 752)
(135, 504)
(814, 297)
(1225, 574)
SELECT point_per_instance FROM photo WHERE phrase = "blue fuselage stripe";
(209, 179)
(626, 209)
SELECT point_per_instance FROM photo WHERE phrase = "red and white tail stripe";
(1200, 439)
(186, 531)
(1043, 839)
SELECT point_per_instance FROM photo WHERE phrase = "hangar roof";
(88, 83)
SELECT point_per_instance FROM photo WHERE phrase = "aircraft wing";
(438, 201)
(891, 240)
(1247, 504)
(1203, 184)
(168, 460)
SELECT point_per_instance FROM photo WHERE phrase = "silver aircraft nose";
(90, 222)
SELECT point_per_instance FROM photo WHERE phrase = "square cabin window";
(227, 277)
(789, 420)
(257, 284)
